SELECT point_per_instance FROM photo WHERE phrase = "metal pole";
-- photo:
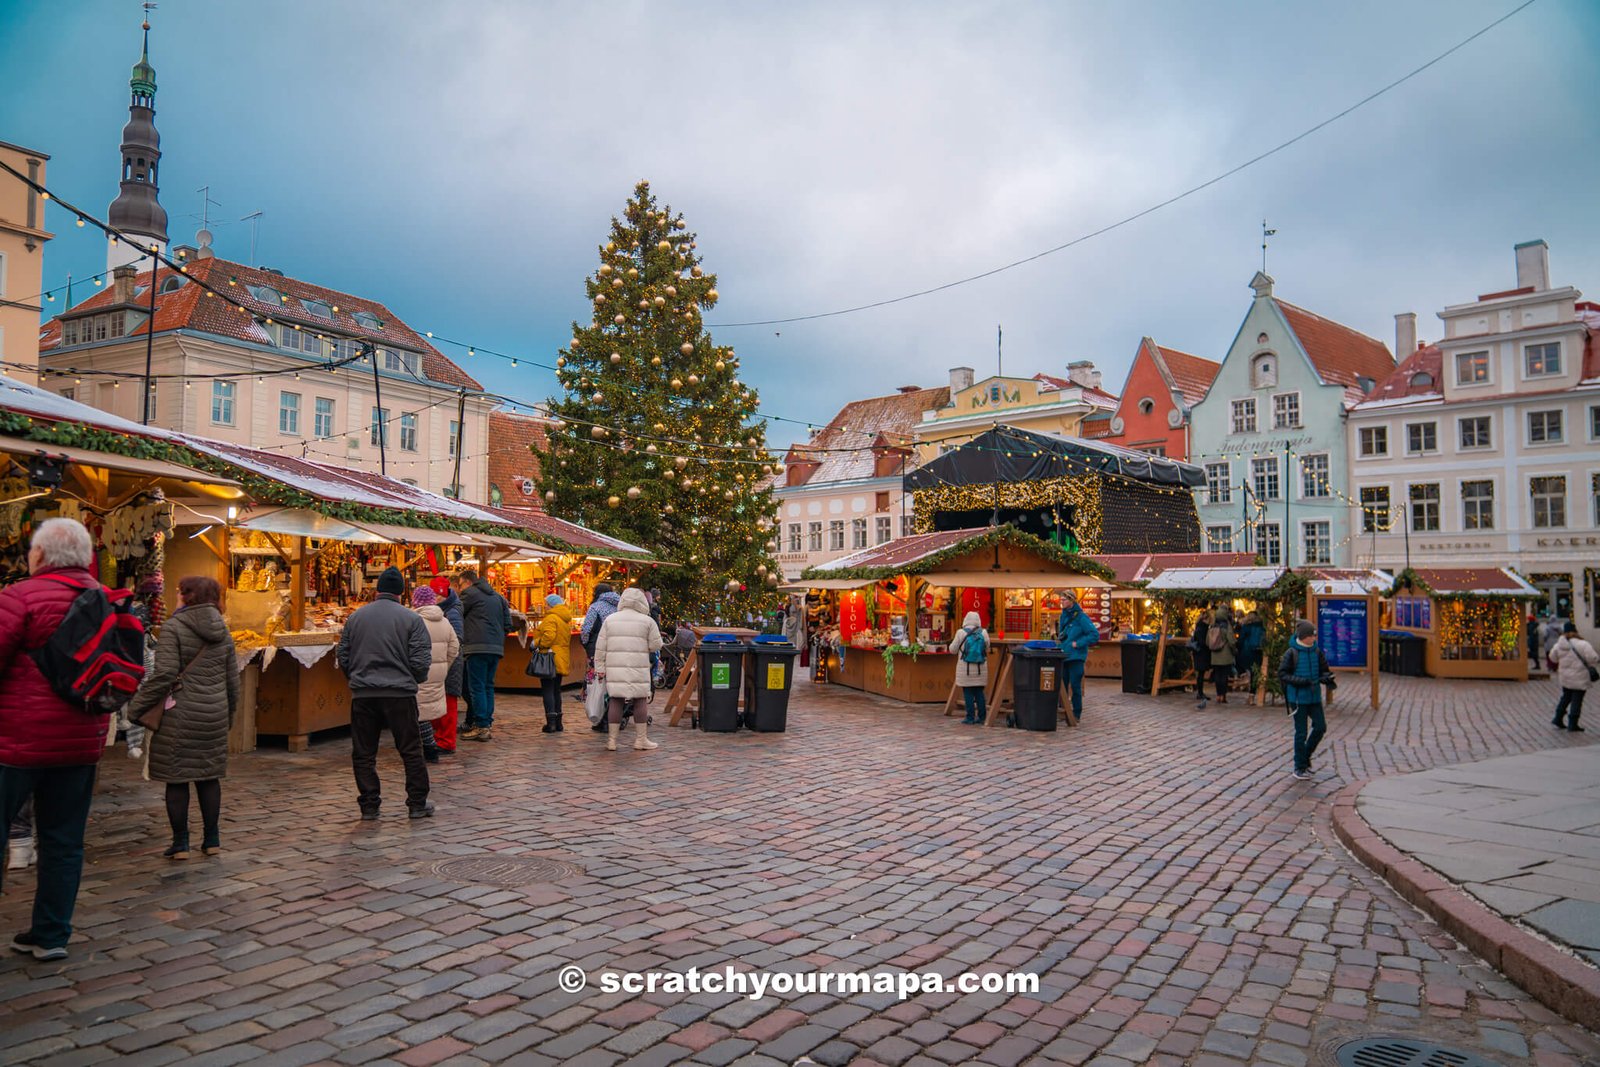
(149, 339)
(1287, 540)
(461, 431)
(382, 421)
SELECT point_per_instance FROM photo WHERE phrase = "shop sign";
(1239, 445)
(1567, 542)
(1342, 630)
(774, 676)
(722, 676)
(1413, 612)
(1453, 546)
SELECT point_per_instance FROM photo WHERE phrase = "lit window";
(322, 424)
(1374, 440)
(289, 413)
(1244, 416)
(1316, 542)
(1549, 497)
(1314, 479)
(1472, 368)
(1286, 411)
(1264, 476)
(408, 433)
(1544, 427)
(222, 403)
(1219, 483)
(1477, 505)
(1425, 507)
(1475, 432)
(1375, 509)
(1542, 360)
(1422, 437)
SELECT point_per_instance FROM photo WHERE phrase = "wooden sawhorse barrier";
(685, 695)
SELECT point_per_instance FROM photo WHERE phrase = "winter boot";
(19, 854)
(430, 753)
(179, 849)
(641, 736)
(552, 724)
(612, 730)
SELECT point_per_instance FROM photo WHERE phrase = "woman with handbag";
(1577, 668)
(187, 703)
(552, 658)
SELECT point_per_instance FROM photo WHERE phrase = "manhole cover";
(504, 870)
(1404, 1052)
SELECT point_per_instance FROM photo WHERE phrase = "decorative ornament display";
(655, 361)
(681, 461)
(561, 361)
(659, 301)
(605, 268)
(650, 448)
(597, 431)
(732, 586)
(611, 246)
(761, 569)
(644, 304)
(672, 290)
(697, 272)
(633, 492)
(613, 501)
(575, 343)
(772, 580)
(694, 379)
(616, 357)
(669, 474)
(687, 348)
(677, 383)
(711, 295)
(721, 365)
(619, 318)
(727, 494)
(664, 246)
(550, 496)
(598, 398)
(668, 509)
(633, 272)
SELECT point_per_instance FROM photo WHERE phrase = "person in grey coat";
(196, 668)
(385, 654)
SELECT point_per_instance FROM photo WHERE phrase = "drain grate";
(508, 871)
(1404, 1052)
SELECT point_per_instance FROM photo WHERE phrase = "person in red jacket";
(48, 748)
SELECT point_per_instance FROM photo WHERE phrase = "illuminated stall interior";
(1472, 619)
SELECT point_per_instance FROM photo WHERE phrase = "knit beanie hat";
(423, 596)
(440, 585)
(1304, 628)
(552, 600)
(392, 582)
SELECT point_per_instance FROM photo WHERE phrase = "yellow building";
(22, 238)
(1042, 403)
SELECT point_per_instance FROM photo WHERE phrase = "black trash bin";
(1037, 669)
(1136, 665)
(721, 659)
(1402, 653)
(766, 696)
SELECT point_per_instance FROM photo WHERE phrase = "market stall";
(1471, 619)
(1182, 593)
(1129, 612)
(891, 611)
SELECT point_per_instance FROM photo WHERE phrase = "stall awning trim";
(1014, 580)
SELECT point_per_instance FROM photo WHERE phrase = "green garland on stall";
(1410, 583)
(888, 659)
(268, 490)
(1008, 535)
(1278, 606)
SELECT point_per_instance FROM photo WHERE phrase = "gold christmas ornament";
(696, 271)
(669, 474)
(616, 357)
(611, 246)
(661, 427)
(721, 365)
(664, 246)
(668, 510)
(655, 361)
(575, 343)
(550, 496)
(605, 268)
(614, 501)
(633, 272)
(694, 379)
(761, 569)
(616, 283)
(619, 318)
(711, 294)
(672, 290)
(687, 348)
(561, 361)
(598, 397)
(681, 461)
(676, 383)
(659, 301)
(650, 448)
(732, 586)
(727, 494)
(772, 580)
(597, 431)
(644, 303)
(633, 492)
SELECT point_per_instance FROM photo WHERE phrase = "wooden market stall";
(1471, 618)
(895, 608)
(1130, 611)
(1182, 593)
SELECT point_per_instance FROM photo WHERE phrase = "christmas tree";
(656, 440)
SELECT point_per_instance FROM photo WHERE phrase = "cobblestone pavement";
(1179, 894)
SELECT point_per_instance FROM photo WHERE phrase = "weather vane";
(1265, 233)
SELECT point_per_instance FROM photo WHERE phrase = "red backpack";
(94, 660)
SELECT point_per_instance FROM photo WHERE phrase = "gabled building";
(515, 444)
(1270, 433)
(842, 490)
(1485, 445)
(1162, 388)
(1043, 403)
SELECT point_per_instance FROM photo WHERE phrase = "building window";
(1286, 411)
(858, 533)
(1477, 505)
(1425, 507)
(1594, 424)
(1154, 450)
(1314, 480)
(400, 361)
(408, 433)
(1270, 536)
(1264, 476)
(1316, 542)
(794, 537)
(450, 446)
(1594, 496)
(322, 421)
(885, 529)
(814, 536)
(1146, 406)
(906, 524)
(1544, 427)
(1549, 502)
(289, 413)
(1263, 371)
(1374, 440)
(1475, 432)
(368, 320)
(1219, 538)
(222, 403)
(69, 394)
(1540, 361)
(1375, 509)
(1422, 437)
(1472, 368)
(380, 426)
(1219, 483)
(836, 535)
(881, 502)
(1244, 416)
(320, 308)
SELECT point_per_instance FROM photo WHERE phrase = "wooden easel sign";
(1347, 632)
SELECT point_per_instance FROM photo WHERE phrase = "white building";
(1484, 447)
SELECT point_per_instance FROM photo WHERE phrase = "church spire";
(137, 210)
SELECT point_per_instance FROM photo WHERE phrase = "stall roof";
(1130, 567)
(302, 522)
(1475, 581)
(824, 583)
(1348, 581)
(1007, 454)
(902, 552)
(1201, 579)
(1015, 580)
(923, 554)
(175, 475)
(568, 535)
(30, 400)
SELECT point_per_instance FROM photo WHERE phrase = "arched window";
(1146, 406)
(1264, 370)
(174, 283)
(1422, 379)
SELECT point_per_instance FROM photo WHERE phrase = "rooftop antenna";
(999, 352)
(254, 219)
(1265, 233)
(206, 204)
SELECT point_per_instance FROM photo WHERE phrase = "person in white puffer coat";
(446, 648)
(1574, 658)
(628, 639)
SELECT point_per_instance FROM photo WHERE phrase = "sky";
(460, 161)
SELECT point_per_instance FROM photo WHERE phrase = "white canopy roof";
(1200, 579)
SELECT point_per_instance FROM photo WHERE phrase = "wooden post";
(1372, 642)
(297, 586)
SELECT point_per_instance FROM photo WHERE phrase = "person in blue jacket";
(1076, 634)
(1304, 672)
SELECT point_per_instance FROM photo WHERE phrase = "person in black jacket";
(385, 653)
(1202, 658)
(485, 622)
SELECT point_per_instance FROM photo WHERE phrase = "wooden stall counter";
(296, 701)
(513, 672)
(1105, 660)
(925, 679)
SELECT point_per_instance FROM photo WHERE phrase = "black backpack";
(95, 658)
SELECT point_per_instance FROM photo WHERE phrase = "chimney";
(1405, 335)
(960, 378)
(910, 389)
(1533, 265)
(1081, 372)
(122, 284)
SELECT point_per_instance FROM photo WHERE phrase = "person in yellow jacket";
(554, 636)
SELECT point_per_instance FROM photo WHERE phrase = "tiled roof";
(513, 446)
(1340, 355)
(902, 552)
(542, 524)
(1399, 384)
(189, 308)
(1192, 375)
(1486, 580)
(843, 448)
(1132, 567)
(1091, 394)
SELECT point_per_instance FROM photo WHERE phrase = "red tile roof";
(514, 443)
(843, 448)
(1445, 580)
(1340, 355)
(1090, 393)
(189, 308)
(1192, 375)
(1426, 360)
(580, 537)
(1132, 567)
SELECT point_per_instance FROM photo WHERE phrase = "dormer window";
(320, 308)
(368, 320)
(265, 293)
(174, 283)
(1264, 371)
(1421, 380)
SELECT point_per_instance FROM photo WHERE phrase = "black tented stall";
(1086, 496)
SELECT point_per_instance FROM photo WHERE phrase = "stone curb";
(1555, 979)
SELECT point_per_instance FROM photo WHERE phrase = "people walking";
(445, 649)
(195, 684)
(1577, 665)
(444, 727)
(1201, 654)
(1554, 627)
(1076, 634)
(1303, 672)
(628, 638)
(1252, 641)
(485, 621)
(1221, 642)
(600, 609)
(48, 745)
(385, 653)
(554, 636)
(971, 650)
